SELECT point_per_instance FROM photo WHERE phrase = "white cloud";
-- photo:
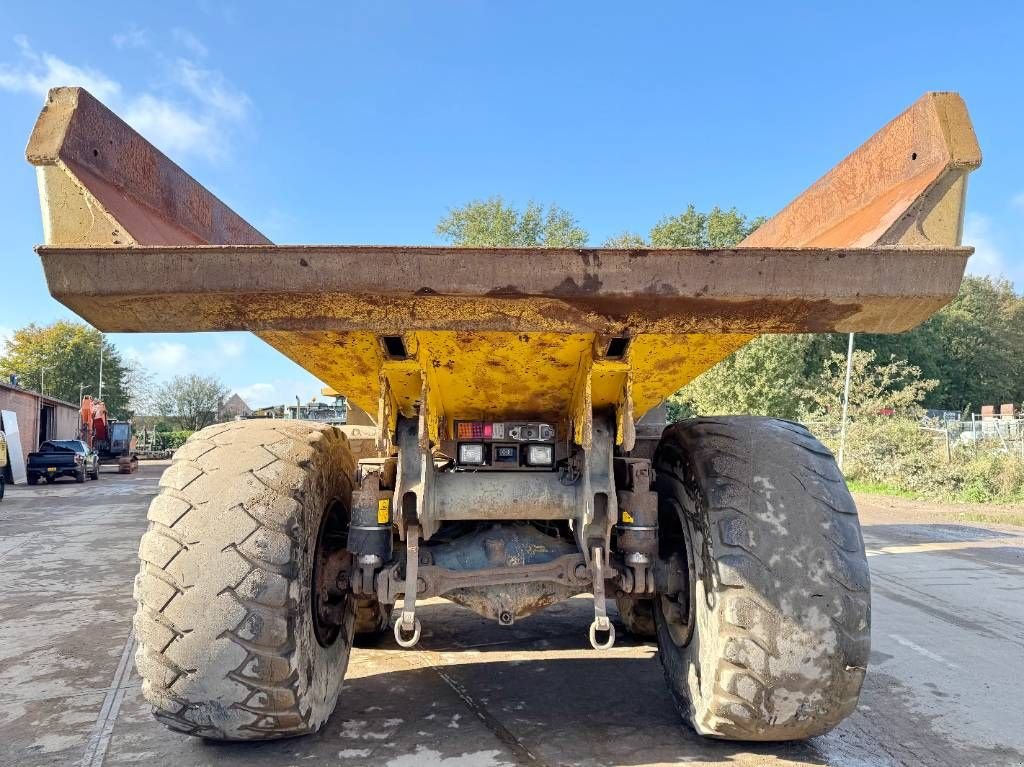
(167, 359)
(133, 37)
(988, 257)
(190, 42)
(280, 391)
(6, 334)
(230, 347)
(258, 394)
(210, 88)
(195, 118)
(175, 130)
(163, 358)
(41, 71)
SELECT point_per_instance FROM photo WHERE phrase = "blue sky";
(363, 122)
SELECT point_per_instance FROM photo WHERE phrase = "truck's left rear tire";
(233, 644)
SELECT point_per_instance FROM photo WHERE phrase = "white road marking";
(923, 651)
(917, 548)
(99, 737)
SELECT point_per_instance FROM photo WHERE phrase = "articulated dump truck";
(517, 457)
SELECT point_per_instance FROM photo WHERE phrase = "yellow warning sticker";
(627, 518)
(383, 511)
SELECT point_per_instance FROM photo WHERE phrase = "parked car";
(63, 458)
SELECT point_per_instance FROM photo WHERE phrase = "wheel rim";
(679, 609)
(330, 594)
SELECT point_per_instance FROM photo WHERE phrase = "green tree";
(766, 377)
(492, 223)
(626, 240)
(191, 400)
(692, 229)
(63, 356)
(877, 389)
(974, 347)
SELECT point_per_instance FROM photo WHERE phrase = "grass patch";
(878, 488)
(983, 518)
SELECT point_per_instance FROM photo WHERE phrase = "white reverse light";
(540, 455)
(471, 453)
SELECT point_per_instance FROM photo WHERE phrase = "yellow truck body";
(135, 244)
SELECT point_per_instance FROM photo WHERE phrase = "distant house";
(233, 409)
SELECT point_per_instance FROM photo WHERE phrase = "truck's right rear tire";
(769, 639)
(233, 644)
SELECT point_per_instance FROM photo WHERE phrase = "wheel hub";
(331, 592)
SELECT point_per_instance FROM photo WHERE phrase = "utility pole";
(99, 392)
(846, 401)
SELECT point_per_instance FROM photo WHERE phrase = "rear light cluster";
(505, 444)
(504, 431)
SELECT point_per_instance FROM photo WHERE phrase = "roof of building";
(46, 397)
(235, 401)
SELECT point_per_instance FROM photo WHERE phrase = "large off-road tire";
(232, 644)
(637, 616)
(770, 639)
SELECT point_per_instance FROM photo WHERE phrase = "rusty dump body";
(135, 244)
(508, 466)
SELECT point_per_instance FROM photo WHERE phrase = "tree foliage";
(191, 400)
(492, 223)
(626, 240)
(63, 356)
(893, 388)
(717, 228)
(974, 347)
(765, 377)
(692, 229)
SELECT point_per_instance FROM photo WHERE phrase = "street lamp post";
(846, 401)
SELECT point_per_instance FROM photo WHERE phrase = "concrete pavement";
(943, 687)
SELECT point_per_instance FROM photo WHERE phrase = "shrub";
(897, 453)
(170, 440)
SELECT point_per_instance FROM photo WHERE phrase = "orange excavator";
(113, 441)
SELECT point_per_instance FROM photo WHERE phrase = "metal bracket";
(598, 505)
(601, 623)
(407, 621)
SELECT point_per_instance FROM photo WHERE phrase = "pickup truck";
(63, 458)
